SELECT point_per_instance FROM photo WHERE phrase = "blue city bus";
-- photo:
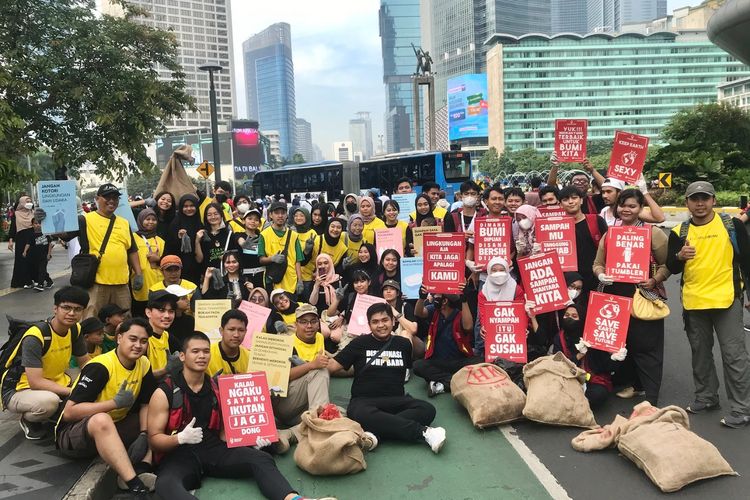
(448, 169)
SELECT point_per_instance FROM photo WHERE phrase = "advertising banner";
(467, 107)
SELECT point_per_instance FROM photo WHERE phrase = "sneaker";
(48, 284)
(435, 438)
(39, 288)
(147, 478)
(370, 441)
(435, 388)
(630, 392)
(28, 286)
(736, 420)
(699, 407)
(33, 431)
(746, 327)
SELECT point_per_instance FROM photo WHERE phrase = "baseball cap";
(614, 183)
(108, 189)
(252, 211)
(158, 297)
(305, 309)
(700, 187)
(277, 205)
(90, 325)
(178, 291)
(170, 261)
(109, 310)
(391, 283)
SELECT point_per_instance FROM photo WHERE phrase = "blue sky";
(337, 59)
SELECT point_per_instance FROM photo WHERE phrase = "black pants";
(442, 370)
(643, 366)
(182, 469)
(400, 418)
(597, 394)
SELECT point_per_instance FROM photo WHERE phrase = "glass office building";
(630, 82)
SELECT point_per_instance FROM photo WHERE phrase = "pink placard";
(358, 324)
(256, 320)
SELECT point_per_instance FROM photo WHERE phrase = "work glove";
(186, 245)
(138, 448)
(190, 434)
(206, 238)
(348, 262)
(340, 292)
(309, 245)
(605, 280)
(217, 280)
(138, 282)
(173, 363)
(299, 288)
(279, 326)
(641, 185)
(262, 443)
(471, 265)
(278, 258)
(124, 398)
(250, 242)
(150, 202)
(619, 355)
(583, 346)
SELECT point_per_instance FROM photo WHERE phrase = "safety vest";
(463, 342)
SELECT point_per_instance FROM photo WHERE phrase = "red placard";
(570, 140)
(246, 409)
(628, 156)
(607, 320)
(505, 325)
(558, 234)
(543, 280)
(628, 253)
(444, 262)
(546, 211)
(492, 237)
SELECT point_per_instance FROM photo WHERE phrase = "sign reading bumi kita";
(570, 140)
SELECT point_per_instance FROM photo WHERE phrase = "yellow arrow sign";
(665, 180)
(205, 169)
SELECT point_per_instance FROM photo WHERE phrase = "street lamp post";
(214, 119)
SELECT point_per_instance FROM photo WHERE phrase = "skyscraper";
(203, 29)
(360, 133)
(610, 15)
(568, 16)
(269, 83)
(399, 28)
(304, 140)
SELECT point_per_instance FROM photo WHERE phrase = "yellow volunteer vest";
(217, 362)
(708, 278)
(273, 244)
(158, 350)
(368, 233)
(151, 276)
(54, 362)
(337, 252)
(438, 212)
(113, 267)
(307, 351)
(309, 268)
(352, 247)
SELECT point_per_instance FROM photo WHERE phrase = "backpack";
(728, 224)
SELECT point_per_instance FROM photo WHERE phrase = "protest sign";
(492, 237)
(546, 211)
(58, 199)
(411, 276)
(389, 238)
(628, 253)
(418, 233)
(570, 140)
(543, 281)
(405, 204)
(358, 324)
(208, 314)
(246, 409)
(505, 325)
(270, 354)
(257, 316)
(607, 320)
(444, 262)
(123, 209)
(558, 234)
(628, 156)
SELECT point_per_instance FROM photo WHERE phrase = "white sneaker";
(370, 441)
(435, 388)
(435, 438)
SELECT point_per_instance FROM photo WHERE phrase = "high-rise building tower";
(269, 83)
(609, 15)
(568, 16)
(399, 29)
(203, 29)
(360, 133)
(304, 140)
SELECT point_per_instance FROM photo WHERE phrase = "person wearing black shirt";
(378, 403)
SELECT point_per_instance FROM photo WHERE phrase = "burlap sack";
(488, 394)
(554, 392)
(329, 447)
(672, 456)
(174, 179)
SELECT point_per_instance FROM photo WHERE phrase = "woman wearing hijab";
(324, 293)
(332, 242)
(180, 240)
(231, 284)
(150, 250)
(300, 217)
(21, 234)
(319, 218)
(499, 286)
(349, 206)
(366, 260)
(282, 317)
(355, 236)
(425, 212)
(165, 209)
(523, 231)
(370, 219)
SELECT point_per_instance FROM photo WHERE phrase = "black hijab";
(420, 217)
(321, 228)
(191, 224)
(330, 240)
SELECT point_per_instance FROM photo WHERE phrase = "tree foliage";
(85, 87)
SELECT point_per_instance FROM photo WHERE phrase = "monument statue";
(424, 61)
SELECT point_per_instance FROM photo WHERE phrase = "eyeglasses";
(258, 299)
(308, 322)
(68, 308)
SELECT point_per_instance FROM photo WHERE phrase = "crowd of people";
(133, 332)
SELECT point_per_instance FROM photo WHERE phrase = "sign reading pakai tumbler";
(628, 253)
(58, 199)
(570, 140)
(628, 156)
(444, 262)
(246, 409)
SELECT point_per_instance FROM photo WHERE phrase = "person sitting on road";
(106, 410)
(92, 331)
(283, 309)
(34, 381)
(228, 355)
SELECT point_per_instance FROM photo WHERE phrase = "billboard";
(247, 152)
(202, 147)
(467, 107)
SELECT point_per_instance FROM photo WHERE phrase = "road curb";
(97, 483)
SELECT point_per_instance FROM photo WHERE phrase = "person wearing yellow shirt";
(279, 246)
(34, 381)
(160, 311)
(391, 209)
(712, 253)
(308, 377)
(228, 355)
(222, 191)
(306, 237)
(370, 220)
(112, 275)
(107, 410)
(150, 249)
(332, 242)
(432, 190)
(354, 236)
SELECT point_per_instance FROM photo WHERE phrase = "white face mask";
(243, 207)
(524, 224)
(28, 206)
(470, 201)
(573, 293)
(499, 277)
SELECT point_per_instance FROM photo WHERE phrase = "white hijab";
(495, 292)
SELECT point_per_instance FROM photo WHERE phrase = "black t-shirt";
(384, 376)
(201, 405)
(93, 378)
(586, 250)
(598, 201)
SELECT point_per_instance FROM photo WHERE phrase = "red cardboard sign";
(570, 140)
(607, 320)
(444, 262)
(543, 280)
(628, 156)
(492, 237)
(558, 234)
(505, 324)
(551, 211)
(628, 253)
(246, 409)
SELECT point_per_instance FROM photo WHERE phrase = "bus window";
(457, 168)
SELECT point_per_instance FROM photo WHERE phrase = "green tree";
(85, 87)
(297, 158)
(489, 162)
